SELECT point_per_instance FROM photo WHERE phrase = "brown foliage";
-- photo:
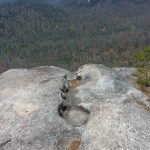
(74, 83)
(74, 144)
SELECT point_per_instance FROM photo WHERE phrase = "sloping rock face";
(29, 118)
(95, 108)
(118, 121)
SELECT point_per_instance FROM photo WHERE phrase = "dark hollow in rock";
(64, 89)
(61, 109)
(64, 96)
(74, 115)
(79, 78)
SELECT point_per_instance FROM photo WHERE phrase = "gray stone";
(38, 111)
(29, 118)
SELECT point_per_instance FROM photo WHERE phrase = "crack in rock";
(73, 114)
(4, 143)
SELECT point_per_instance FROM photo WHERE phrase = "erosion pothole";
(74, 115)
(68, 110)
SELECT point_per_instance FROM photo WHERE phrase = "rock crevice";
(68, 109)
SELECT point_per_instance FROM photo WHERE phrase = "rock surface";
(39, 110)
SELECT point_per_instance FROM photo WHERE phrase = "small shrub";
(143, 67)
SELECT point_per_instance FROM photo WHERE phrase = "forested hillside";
(71, 33)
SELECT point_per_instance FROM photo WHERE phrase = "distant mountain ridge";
(6, 1)
(75, 32)
(94, 2)
(84, 2)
